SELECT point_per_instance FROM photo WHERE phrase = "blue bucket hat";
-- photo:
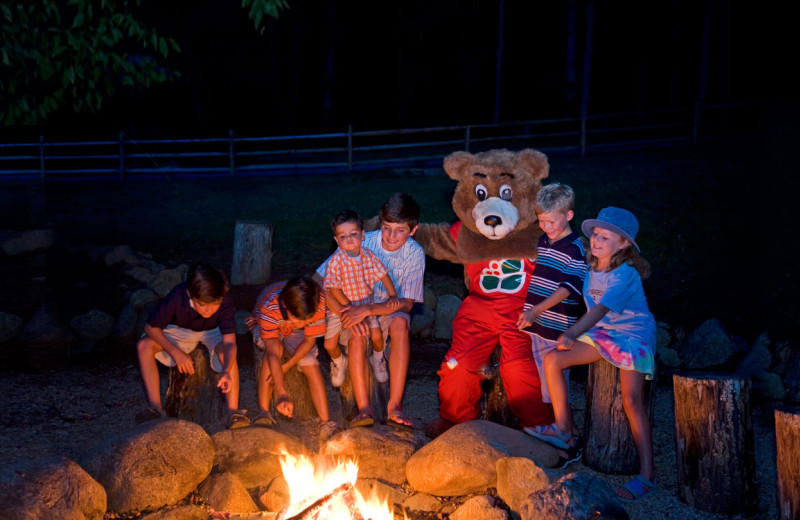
(620, 221)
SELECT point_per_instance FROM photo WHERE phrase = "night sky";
(378, 65)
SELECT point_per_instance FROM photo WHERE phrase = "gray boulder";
(277, 496)
(10, 326)
(381, 451)
(118, 254)
(164, 281)
(446, 308)
(187, 512)
(125, 326)
(94, 325)
(444, 467)
(769, 385)
(429, 298)
(254, 454)
(17, 243)
(156, 464)
(422, 502)
(709, 345)
(372, 488)
(576, 496)
(45, 328)
(792, 378)
(141, 296)
(422, 323)
(758, 359)
(50, 488)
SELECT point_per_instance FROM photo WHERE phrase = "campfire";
(323, 488)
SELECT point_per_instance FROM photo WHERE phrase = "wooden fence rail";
(350, 151)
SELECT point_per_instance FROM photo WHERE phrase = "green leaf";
(6, 13)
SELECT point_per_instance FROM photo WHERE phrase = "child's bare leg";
(398, 362)
(632, 389)
(359, 372)
(554, 364)
(146, 350)
(376, 337)
(316, 386)
(264, 386)
(332, 347)
(227, 354)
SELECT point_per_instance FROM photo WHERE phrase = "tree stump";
(609, 446)
(495, 400)
(715, 445)
(252, 253)
(296, 385)
(378, 395)
(196, 397)
(787, 436)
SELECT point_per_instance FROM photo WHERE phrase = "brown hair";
(400, 208)
(300, 296)
(627, 255)
(345, 216)
(206, 283)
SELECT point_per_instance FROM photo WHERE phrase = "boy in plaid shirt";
(351, 275)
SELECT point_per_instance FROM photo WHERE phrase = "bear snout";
(493, 220)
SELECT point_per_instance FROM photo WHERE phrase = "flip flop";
(362, 419)
(636, 488)
(264, 418)
(237, 419)
(393, 421)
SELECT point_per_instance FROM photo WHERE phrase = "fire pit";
(322, 488)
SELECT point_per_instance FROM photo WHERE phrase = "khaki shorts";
(187, 341)
(333, 324)
(384, 321)
(290, 343)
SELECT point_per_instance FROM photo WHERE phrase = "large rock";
(792, 378)
(125, 326)
(187, 512)
(10, 326)
(445, 467)
(225, 492)
(481, 507)
(422, 323)
(381, 451)
(94, 325)
(163, 281)
(254, 454)
(446, 308)
(118, 254)
(576, 496)
(518, 477)
(141, 296)
(758, 359)
(709, 345)
(50, 488)
(156, 464)
(17, 243)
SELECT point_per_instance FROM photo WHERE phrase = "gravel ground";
(62, 413)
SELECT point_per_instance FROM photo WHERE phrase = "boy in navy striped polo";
(554, 301)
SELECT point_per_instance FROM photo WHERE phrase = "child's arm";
(393, 302)
(527, 318)
(567, 340)
(303, 348)
(225, 383)
(338, 295)
(183, 362)
(272, 357)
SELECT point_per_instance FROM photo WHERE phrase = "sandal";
(397, 419)
(264, 418)
(571, 454)
(237, 419)
(551, 434)
(150, 414)
(327, 430)
(638, 488)
(362, 419)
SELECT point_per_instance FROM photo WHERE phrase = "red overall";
(488, 316)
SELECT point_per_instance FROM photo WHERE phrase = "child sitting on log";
(290, 315)
(199, 310)
(617, 327)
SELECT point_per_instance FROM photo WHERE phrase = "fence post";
(350, 148)
(583, 134)
(466, 138)
(121, 156)
(41, 155)
(231, 153)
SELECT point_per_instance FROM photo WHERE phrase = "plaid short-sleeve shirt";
(355, 276)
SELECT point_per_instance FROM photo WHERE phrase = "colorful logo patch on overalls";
(505, 276)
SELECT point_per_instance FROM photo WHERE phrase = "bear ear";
(534, 162)
(456, 162)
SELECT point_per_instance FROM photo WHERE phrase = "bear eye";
(480, 192)
(506, 192)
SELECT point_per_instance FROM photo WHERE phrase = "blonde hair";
(555, 197)
(626, 255)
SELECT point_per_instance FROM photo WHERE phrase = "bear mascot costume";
(495, 239)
